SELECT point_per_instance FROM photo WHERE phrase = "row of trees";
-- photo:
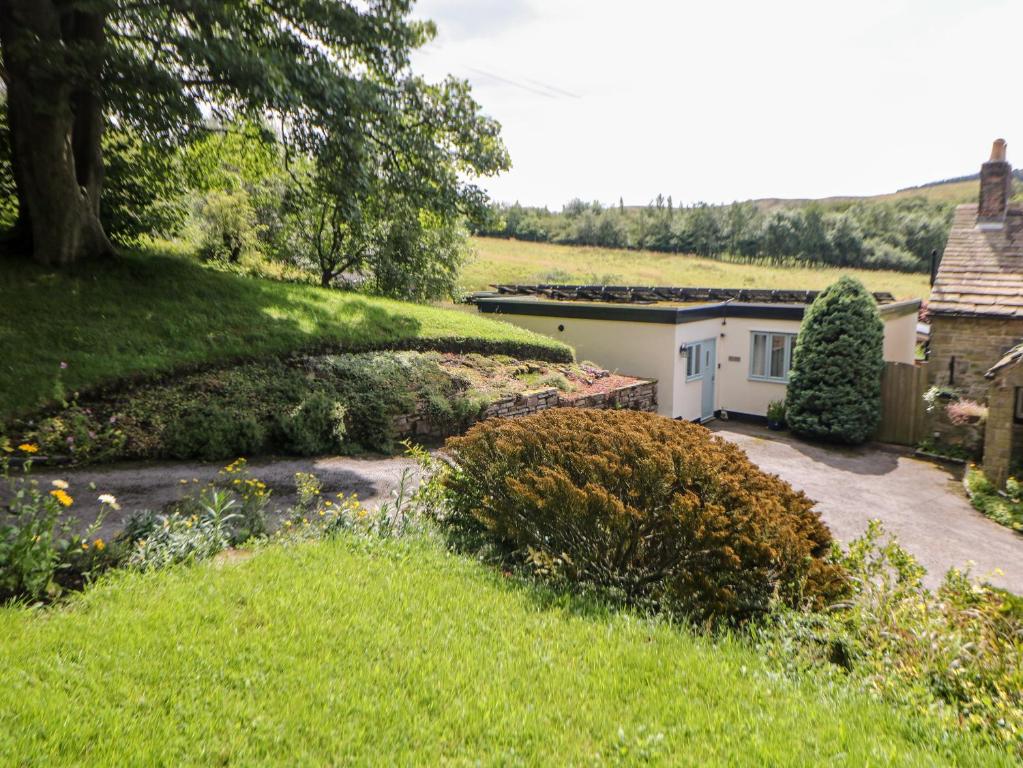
(899, 234)
(296, 127)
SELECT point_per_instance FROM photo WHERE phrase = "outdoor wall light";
(683, 350)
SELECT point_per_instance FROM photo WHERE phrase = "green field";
(355, 652)
(150, 313)
(515, 261)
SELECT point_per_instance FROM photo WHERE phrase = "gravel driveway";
(921, 503)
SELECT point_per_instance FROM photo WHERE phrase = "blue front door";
(710, 368)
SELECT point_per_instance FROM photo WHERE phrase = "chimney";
(995, 185)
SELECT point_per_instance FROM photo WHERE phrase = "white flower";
(110, 500)
(61, 484)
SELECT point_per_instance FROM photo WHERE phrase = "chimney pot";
(998, 151)
(995, 186)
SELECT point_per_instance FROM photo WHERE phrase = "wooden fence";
(903, 418)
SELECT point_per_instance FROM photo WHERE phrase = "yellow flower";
(28, 448)
(62, 497)
(85, 545)
(60, 484)
(99, 544)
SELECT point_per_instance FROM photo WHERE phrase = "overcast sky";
(720, 100)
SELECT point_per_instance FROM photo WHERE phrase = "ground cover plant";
(1004, 508)
(518, 261)
(311, 405)
(659, 511)
(146, 314)
(834, 389)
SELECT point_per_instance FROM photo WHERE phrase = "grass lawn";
(149, 313)
(515, 261)
(397, 653)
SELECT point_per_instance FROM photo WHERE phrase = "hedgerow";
(659, 511)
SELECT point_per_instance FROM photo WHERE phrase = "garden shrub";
(834, 390)
(211, 431)
(316, 425)
(654, 509)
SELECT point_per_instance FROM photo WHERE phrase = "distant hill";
(962, 189)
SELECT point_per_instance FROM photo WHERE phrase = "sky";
(723, 100)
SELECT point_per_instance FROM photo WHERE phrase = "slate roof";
(1011, 358)
(981, 272)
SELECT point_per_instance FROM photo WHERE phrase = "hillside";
(400, 653)
(144, 314)
(962, 189)
(515, 261)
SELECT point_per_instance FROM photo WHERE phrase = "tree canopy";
(330, 78)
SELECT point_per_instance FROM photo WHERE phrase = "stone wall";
(640, 396)
(977, 343)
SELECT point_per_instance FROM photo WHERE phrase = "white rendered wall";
(646, 350)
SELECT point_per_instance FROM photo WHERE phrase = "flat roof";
(670, 313)
(636, 294)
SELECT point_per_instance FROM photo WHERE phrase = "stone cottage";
(976, 303)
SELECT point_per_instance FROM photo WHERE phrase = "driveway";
(921, 503)
(153, 485)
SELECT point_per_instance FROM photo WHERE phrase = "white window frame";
(694, 351)
(790, 345)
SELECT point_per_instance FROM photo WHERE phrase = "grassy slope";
(514, 261)
(401, 654)
(151, 313)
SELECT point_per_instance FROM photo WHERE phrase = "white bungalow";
(710, 350)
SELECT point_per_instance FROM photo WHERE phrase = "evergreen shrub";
(834, 390)
(656, 510)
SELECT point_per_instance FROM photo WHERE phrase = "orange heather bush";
(658, 510)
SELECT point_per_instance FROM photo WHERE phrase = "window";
(771, 356)
(694, 361)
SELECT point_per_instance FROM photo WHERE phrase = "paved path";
(921, 503)
(152, 485)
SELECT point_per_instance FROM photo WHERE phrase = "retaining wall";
(641, 396)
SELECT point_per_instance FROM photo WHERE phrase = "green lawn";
(515, 261)
(398, 653)
(149, 313)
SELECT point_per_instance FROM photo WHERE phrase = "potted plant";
(776, 415)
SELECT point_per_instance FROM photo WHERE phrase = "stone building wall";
(641, 396)
(1004, 438)
(977, 343)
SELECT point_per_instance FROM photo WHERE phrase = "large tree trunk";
(56, 126)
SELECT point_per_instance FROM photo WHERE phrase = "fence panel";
(902, 404)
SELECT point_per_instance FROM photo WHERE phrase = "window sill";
(767, 380)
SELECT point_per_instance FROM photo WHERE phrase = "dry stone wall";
(640, 396)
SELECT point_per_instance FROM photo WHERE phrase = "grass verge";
(383, 653)
(516, 261)
(148, 313)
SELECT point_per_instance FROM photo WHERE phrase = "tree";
(333, 74)
(834, 390)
